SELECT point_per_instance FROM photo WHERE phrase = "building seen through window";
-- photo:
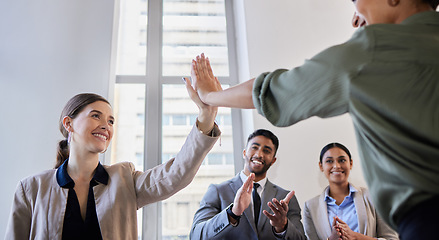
(185, 28)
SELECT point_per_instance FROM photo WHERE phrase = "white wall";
(50, 50)
(282, 34)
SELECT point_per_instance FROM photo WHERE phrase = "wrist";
(206, 128)
(207, 114)
(234, 210)
(281, 229)
(233, 218)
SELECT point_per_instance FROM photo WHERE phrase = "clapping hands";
(341, 231)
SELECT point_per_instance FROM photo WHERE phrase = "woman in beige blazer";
(82, 199)
(342, 211)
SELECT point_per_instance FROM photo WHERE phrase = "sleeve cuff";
(214, 132)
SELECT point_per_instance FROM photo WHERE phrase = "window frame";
(153, 99)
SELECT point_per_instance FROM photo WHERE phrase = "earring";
(69, 138)
(393, 3)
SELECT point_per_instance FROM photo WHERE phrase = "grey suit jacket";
(370, 224)
(40, 203)
(211, 221)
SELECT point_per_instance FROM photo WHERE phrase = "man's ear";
(393, 3)
(67, 123)
(274, 160)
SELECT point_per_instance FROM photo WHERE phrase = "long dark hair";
(73, 107)
(333, 145)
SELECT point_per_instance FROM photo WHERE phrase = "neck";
(412, 10)
(338, 190)
(258, 177)
(82, 166)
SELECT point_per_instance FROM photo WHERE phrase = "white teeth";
(257, 162)
(100, 136)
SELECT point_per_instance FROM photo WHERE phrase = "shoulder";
(362, 191)
(225, 184)
(279, 188)
(355, 51)
(317, 200)
(38, 184)
(313, 201)
(119, 167)
(40, 178)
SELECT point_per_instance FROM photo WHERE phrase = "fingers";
(189, 88)
(194, 71)
(279, 208)
(248, 185)
(192, 92)
(288, 197)
(339, 220)
(209, 68)
(334, 222)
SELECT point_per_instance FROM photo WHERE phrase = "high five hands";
(203, 78)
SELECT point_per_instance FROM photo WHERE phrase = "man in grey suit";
(233, 210)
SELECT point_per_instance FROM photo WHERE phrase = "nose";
(259, 153)
(337, 164)
(104, 125)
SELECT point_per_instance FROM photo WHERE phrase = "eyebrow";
(265, 146)
(337, 157)
(97, 111)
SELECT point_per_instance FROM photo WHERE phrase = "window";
(156, 42)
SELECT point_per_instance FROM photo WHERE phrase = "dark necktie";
(256, 202)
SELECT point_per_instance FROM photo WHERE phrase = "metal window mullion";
(152, 147)
(238, 139)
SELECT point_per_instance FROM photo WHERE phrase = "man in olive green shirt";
(387, 77)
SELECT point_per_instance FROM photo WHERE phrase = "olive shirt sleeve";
(320, 87)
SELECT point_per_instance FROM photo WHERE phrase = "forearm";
(215, 227)
(360, 236)
(238, 96)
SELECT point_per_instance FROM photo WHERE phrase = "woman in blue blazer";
(342, 211)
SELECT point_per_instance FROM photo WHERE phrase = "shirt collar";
(261, 182)
(427, 17)
(328, 198)
(65, 181)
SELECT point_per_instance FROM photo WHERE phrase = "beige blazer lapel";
(322, 225)
(57, 203)
(360, 207)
